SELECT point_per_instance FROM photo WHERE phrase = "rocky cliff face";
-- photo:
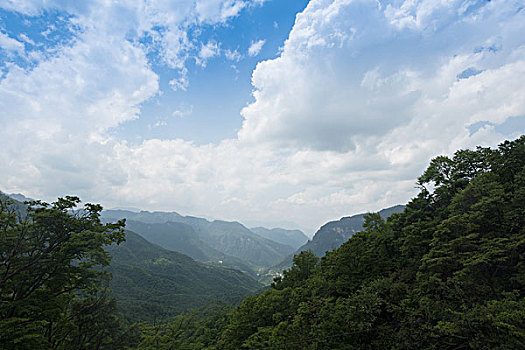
(333, 234)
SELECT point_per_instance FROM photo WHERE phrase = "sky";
(286, 113)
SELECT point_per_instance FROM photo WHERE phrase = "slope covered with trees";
(333, 234)
(69, 281)
(446, 273)
(151, 283)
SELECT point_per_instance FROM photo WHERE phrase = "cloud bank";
(362, 95)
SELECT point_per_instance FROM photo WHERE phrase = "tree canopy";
(52, 285)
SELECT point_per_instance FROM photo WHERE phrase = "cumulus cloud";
(350, 71)
(256, 47)
(58, 117)
(379, 84)
(343, 121)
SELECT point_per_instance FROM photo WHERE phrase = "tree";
(51, 272)
(304, 264)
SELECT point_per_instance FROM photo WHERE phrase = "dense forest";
(152, 284)
(446, 273)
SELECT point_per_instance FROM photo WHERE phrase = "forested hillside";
(446, 273)
(151, 283)
(53, 292)
(68, 281)
(333, 234)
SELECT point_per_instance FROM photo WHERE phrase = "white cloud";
(181, 82)
(348, 73)
(217, 11)
(385, 96)
(233, 55)
(11, 46)
(342, 122)
(207, 51)
(256, 47)
(183, 111)
(57, 118)
(164, 23)
(27, 39)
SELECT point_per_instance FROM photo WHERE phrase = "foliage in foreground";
(447, 273)
(52, 287)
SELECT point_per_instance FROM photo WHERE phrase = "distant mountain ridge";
(293, 238)
(18, 206)
(20, 197)
(229, 238)
(175, 236)
(334, 233)
(182, 238)
(152, 283)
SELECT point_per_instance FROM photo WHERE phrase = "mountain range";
(182, 238)
(152, 283)
(334, 233)
(229, 243)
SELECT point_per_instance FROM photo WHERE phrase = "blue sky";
(224, 84)
(275, 113)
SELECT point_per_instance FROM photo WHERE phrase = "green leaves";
(49, 264)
